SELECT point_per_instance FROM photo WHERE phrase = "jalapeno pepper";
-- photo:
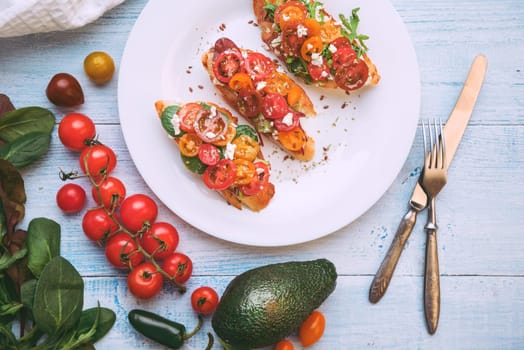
(165, 332)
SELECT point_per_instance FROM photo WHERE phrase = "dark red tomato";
(318, 72)
(249, 102)
(110, 193)
(289, 122)
(64, 90)
(71, 198)
(353, 76)
(204, 300)
(179, 266)
(227, 64)
(160, 240)
(188, 114)
(291, 41)
(137, 210)
(74, 129)
(220, 176)
(98, 225)
(258, 66)
(208, 154)
(224, 44)
(259, 181)
(122, 252)
(344, 56)
(99, 159)
(144, 281)
(274, 106)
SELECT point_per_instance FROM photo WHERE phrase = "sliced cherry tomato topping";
(241, 81)
(258, 66)
(291, 40)
(312, 48)
(245, 171)
(224, 44)
(258, 182)
(344, 56)
(189, 144)
(289, 122)
(246, 148)
(220, 176)
(312, 26)
(227, 64)
(292, 140)
(211, 125)
(187, 114)
(295, 95)
(353, 76)
(290, 11)
(209, 154)
(279, 83)
(341, 42)
(249, 103)
(319, 72)
(274, 106)
(227, 137)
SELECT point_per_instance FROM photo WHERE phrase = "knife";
(453, 131)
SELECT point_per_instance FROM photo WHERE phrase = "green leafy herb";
(167, 117)
(26, 149)
(100, 319)
(270, 9)
(350, 31)
(22, 121)
(43, 241)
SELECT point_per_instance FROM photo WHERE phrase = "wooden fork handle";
(432, 282)
(385, 271)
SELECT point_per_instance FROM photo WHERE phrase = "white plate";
(360, 148)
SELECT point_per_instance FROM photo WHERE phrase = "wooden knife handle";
(385, 272)
(432, 282)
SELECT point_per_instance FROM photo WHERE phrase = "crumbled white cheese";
(210, 135)
(309, 46)
(244, 54)
(324, 74)
(261, 85)
(230, 151)
(318, 15)
(280, 69)
(301, 31)
(175, 121)
(213, 111)
(332, 48)
(288, 119)
(276, 42)
(316, 59)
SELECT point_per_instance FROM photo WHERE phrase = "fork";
(433, 180)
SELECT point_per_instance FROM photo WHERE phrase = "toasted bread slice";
(314, 45)
(226, 155)
(259, 89)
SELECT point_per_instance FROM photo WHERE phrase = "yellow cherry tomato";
(99, 67)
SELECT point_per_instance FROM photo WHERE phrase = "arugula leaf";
(350, 31)
(270, 9)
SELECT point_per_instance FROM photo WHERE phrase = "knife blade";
(453, 132)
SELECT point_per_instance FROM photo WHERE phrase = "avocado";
(264, 305)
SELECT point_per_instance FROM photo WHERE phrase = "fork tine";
(442, 146)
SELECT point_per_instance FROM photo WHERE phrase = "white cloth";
(21, 17)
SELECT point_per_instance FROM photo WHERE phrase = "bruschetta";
(260, 90)
(226, 156)
(316, 47)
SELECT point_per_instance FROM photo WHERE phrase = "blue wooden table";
(480, 211)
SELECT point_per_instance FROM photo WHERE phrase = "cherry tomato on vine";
(136, 210)
(312, 328)
(99, 159)
(179, 266)
(64, 90)
(204, 300)
(98, 225)
(284, 345)
(160, 240)
(71, 198)
(121, 251)
(99, 67)
(74, 129)
(144, 281)
(110, 188)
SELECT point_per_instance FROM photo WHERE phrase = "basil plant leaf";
(43, 242)
(25, 120)
(26, 149)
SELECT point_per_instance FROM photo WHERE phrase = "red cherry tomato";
(98, 225)
(144, 281)
(284, 345)
(188, 114)
(179, 266)
(223, 44)
(274, 106)
(227, 64)
(160, 240)
(312, 328)
(249, 102)
(344, 56)
(220, 176)
(318, 72)
(71, 198)
(259, 181)
(121, 251)
(289, 122)
(99, 159)
(111, 192)
(258, 66)
(352, 77)
(204, 300)
(137, 210)
(64, 90)
(209, 154)
(74, 129)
